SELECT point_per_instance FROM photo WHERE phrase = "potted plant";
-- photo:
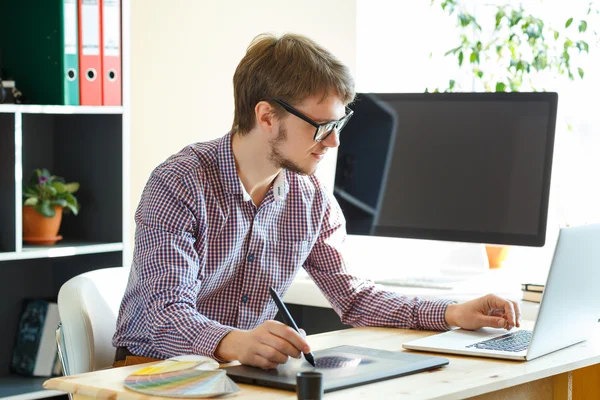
(45, 197)
(513, 51)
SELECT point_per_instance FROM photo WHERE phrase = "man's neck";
(252, 163)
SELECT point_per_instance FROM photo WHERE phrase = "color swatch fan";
(172, 378)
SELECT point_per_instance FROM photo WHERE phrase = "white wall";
(183, 56)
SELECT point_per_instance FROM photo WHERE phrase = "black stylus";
(287, 318)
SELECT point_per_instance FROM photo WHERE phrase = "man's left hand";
(487, 311)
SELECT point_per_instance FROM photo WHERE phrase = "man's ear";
(265, 116)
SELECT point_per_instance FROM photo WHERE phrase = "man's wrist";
(450, 314)
(227, 348)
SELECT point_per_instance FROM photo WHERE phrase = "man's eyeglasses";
(322, 130)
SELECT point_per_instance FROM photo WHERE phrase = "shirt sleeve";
(169, 270)
(359, 302)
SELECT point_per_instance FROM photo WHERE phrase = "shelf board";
(48, 109)
(62, 249)
(15, 387)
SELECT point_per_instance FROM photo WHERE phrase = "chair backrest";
(88, 305)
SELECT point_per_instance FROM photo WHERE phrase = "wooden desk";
(548, 377)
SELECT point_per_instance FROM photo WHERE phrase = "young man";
(222, 221)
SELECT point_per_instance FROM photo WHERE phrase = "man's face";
(294, 147)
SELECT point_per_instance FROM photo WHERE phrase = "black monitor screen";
(471, 167)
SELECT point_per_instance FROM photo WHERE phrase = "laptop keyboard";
(514, 341)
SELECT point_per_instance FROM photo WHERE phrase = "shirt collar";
(231, 180)
(229, 177)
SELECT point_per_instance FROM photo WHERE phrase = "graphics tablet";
(342, 367)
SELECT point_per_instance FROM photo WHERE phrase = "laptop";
(568, 312)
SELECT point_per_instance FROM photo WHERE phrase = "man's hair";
(291, 67)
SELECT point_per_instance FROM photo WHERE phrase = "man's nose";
(333, 140)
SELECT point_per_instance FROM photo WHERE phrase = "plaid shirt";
(205, 257)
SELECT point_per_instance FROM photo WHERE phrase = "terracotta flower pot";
(496, 255)
(38, 229)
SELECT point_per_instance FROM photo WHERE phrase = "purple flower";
(43, 179)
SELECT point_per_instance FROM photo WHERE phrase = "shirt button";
(250, 257)
(244, 299)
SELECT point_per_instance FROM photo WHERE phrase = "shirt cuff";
(210, 337)
(431, 314)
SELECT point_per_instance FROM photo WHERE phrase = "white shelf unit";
(86, 144)
(82, 144)
(64, 249)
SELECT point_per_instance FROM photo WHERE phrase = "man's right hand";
(266, 346)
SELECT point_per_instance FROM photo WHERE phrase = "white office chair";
(88, 305)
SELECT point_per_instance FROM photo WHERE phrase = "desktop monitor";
(465, 167)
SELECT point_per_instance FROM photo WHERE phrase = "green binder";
(39, 49)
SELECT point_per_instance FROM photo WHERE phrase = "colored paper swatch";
(180, 379)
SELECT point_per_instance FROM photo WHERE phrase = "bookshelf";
(85, 144)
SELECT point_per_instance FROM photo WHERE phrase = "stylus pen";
(287, 318)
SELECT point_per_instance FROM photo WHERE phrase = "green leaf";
(60, 202)
(540, 61)
(464, 19)
(582, 26)
(45, 209)
(499, 15)
(569, 22)
(473, 57)
(52, 190)
(515, 18)
(451, 84)
(59, 186)
(72, 187)
(460, 58)
(32, 201)
(581, 73)
(72, 208)
(500, 87)
(29, 192)
(583, 46)
(568, 44)
(72, 203)
(452, 51)
(556, 35)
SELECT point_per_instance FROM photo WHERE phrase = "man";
(222, 221)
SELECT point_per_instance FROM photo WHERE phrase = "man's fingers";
(496, 312)
(510, 314)
(302, 333)
(498, 302)
(261, 362)
(289, 334)
(272, 354)
(493, 322)
(517, 313)
(280, 344)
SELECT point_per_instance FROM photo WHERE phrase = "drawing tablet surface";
(342, 367)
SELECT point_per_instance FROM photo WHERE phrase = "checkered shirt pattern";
(205, 257)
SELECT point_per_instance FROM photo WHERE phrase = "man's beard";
(279, 160)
